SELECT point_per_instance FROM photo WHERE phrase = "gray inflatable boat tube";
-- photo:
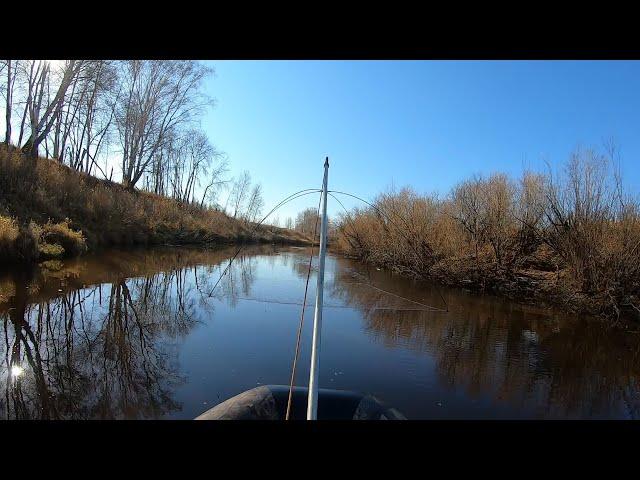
(269, 402)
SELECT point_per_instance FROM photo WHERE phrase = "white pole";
(312, 403)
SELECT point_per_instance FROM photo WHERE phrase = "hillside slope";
(49, 210)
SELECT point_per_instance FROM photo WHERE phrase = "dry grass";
(77, 212)
(59, 239)
(38, 242)
(9, 233)
(570, 238)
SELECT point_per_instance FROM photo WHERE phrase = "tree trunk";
(7, 136)
(44, 124)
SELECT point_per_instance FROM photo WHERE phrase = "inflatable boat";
(269, 402)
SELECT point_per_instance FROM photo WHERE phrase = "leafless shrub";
(489, 229)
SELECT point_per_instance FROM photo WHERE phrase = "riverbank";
(48, 210)
(569, 239)
(543, 286)
(540, 279)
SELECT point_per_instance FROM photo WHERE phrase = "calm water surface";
(139, 334)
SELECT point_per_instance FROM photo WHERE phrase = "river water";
(141, 335)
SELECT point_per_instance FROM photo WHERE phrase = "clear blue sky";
(428, 124)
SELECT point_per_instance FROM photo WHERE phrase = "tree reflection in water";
(99, 338)
(106, 351)
(549, 364)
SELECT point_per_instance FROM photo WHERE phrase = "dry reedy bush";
(577, 224)
(34, 241)
(404, 231)
(71, 241)
(9, 232)
(593, 226)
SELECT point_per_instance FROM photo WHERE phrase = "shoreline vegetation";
(569, 238)
(48, 210)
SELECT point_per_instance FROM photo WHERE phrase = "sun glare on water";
(16, 371)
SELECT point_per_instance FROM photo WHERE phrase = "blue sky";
(428, 124)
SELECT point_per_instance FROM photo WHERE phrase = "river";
(140, 334)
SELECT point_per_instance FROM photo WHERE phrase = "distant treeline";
(570, 237)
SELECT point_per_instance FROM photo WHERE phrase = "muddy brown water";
(139, 334)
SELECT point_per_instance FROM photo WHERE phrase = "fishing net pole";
(304, 302)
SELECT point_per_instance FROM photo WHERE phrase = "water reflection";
(544, 364)
(105, 351)
(139, 334)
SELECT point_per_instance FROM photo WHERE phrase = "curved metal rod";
(288, 199)
(379, 210)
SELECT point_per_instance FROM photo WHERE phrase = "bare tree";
(199, 154)
(468, 206)
(158, 97)
(239, 192)
(289, 223)
(215, 181)
(41, 123)
(306, 221)
(254, 207)
(529, 211)
(184, 163)
(84, 122)
(29, 73)
(580, 205)
(497, 218)
(11, 75)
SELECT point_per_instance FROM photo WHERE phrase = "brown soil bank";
(570, 239)
(48, 210)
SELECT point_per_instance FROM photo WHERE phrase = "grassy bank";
(48, 210)
(570, 238)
